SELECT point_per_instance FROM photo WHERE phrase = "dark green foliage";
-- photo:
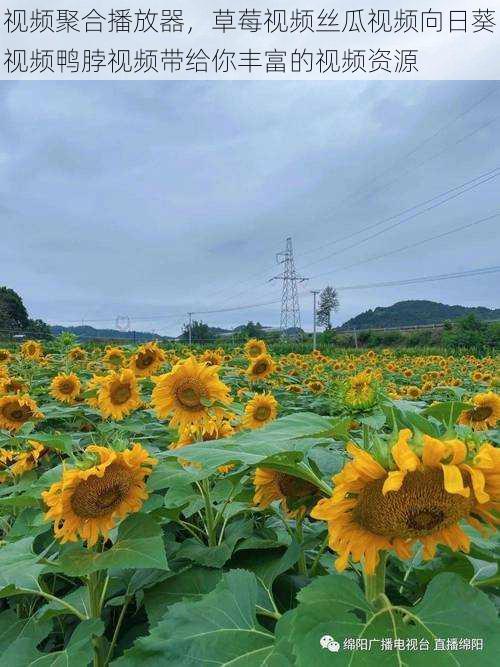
(410, 313)
(471, 333)
(14, 316)
(199, 332)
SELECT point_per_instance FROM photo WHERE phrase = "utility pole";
(355, 337)
(315, 293)
(290, 310)
(190, 325)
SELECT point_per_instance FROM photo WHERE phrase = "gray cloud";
(153, 199)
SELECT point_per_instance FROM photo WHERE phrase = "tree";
(14, 316)
(252, 330)
(199, 332)
(328, 303)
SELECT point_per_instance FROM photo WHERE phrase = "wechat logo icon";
(329, 642)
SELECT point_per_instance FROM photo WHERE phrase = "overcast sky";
(153, 199)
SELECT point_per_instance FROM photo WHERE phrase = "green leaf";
(190, 585)
(19, 638)
(219, 629)
(252, 447)
(169, 474)
(216, 556)
(61, 443)
(31, 522)
(451, 609)
(447, 412)
(79, 650)
(267, 565)
(79, 599)
(139, 545)
(19, 566)
(409, 419)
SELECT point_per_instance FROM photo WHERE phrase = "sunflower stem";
(95, 586)
(321, 551)
(118, 628)
(209, 514)
(375, 583)
(300, 539)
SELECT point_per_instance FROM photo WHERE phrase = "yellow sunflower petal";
(434, 451)
(394, 481)
(453, 482)
(403, 455)
(478, 481)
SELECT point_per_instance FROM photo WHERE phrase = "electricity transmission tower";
(290, 310)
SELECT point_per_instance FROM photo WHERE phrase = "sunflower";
(92, 390)
(15, 411)
(32, 349)
(77, 354)
(260, 367)
(86, 503)
(212, 358)
(114, 357)
(118, 394)
(484, 414)
(215, 429)
(259, 411)
(428, 490)
(5, 356)
(295, 494)
(27, 460)
(13, 386)
(6, 456)
(65, 387)
(255, 348)
(147, 360)
(413, 391)
(316, 386)
(190, 394)
(360, 392)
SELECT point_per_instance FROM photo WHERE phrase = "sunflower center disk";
(66, 387)
(294, 488)
(480, 414)
(260, 367)
(120, 393)
(144, 360)
(189, 395)
(17, 413)
(262, 413)
(99, 496)
(421, 506)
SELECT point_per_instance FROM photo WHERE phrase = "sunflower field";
(175, 506)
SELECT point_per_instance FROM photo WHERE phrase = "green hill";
(86, 332)
(410, 313)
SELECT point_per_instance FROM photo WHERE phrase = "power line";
(407, 281)
(474, 182)
(424, 279)
(488, 175)
(230, 310)
(425, 141)
(435, 155)
(411, 245)
(492, 91)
